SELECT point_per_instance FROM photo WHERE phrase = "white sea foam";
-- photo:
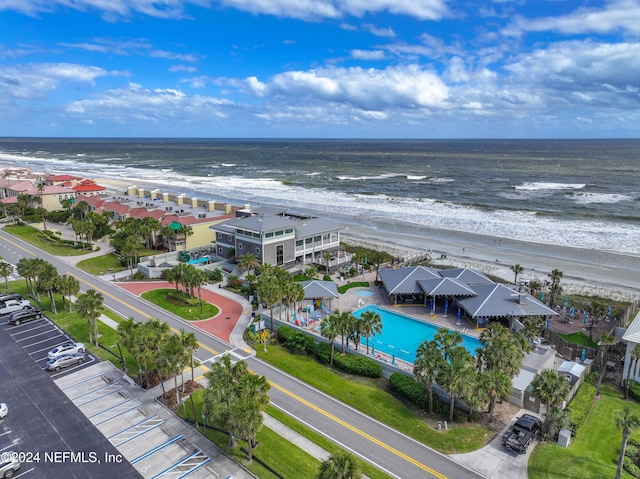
(368, 178)
(412, 212)
(590, 198)
(415, 177)
(549, 186)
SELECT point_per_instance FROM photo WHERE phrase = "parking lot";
(43, 427)
(88, 420)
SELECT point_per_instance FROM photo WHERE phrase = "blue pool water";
(363, 292)
(401, 335)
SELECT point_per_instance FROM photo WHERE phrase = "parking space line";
(68, 369)
(53, 346)
(90, 397)
(136, 431)
(35, 336)
(192, 462)
(156, 449)
(117, 413)
(21, 329)
(82, 381)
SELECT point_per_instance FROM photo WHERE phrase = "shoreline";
(593, 273)
(584, 272)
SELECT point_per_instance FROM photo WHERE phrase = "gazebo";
(319, 292)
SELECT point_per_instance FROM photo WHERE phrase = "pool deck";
(351, 301)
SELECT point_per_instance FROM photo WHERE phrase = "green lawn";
(594, 451)
(370, 397)
(579, 338)
(106, 263)
(34, 237)
(192, 312)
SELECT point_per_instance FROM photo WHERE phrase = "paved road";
(398, 455)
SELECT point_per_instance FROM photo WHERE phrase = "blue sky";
(320, 69)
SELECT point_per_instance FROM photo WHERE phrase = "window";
(279, 233)
(220, 250)
(240, 245)
(269, 235)
(279, 255)
(230, 238)
(288, 231)
(257, 250)
(308, 240)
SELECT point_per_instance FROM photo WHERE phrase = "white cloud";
(407, 87)
(134, 102)
(33, 81)
(138, 47)
(620, 15)
(114, 10)
(379, 32)
(111, 9)
(367, 54)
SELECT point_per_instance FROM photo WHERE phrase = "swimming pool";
(401, 335)
(363, 292)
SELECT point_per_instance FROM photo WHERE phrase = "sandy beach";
(584, 271)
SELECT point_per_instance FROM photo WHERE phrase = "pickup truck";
(522, 433)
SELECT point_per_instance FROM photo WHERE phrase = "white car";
(8, 307)
(66, 348)
(4, 410)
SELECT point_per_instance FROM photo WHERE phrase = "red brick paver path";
(219, 326)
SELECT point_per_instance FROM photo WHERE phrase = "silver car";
(66, 348)
(63, 361)
(9, 464)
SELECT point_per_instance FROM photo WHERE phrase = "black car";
(24, 315)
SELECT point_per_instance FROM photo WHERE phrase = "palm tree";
(555, 290)
(604, 342)
(89, 307)
(248, 262)
(552, 390)
(327, 258)
(6, 270)
(171, 359)
(427, 366)
(456, 376)
(498, 384)
(370, 325)
(517, 269)
(346, 326)
(270, 292)
(340, 465)
(447, 340)
(634, 356)
(48, 281)
(329, 328)
(626, 421)
(129, 336)
(154, 334)
(42, 213)
(68, 286)
(190, 343)
(222, 392)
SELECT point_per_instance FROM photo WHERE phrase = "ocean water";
(573, 193)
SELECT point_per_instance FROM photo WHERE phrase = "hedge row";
(302, 343)
(408, 388)
(296, 341)
(348, 363)
(581, 405)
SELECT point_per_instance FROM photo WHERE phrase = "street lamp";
(124, 368)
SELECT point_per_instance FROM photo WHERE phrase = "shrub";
(358, 365)
(630, 467)
(409, 388)
(581, 404)
(634, 442)
(296, 341)
(326, 277)
(631, 451)
(323, 353)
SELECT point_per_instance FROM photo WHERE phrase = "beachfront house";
(49, 197)
(277, 239)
